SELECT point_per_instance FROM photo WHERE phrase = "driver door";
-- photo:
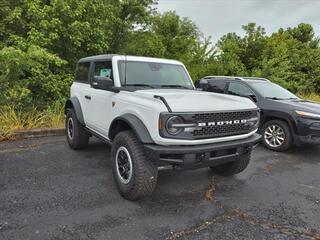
(100, 106)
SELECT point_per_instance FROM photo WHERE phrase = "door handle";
(87, 97)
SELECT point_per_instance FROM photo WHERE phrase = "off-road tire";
(287, 135)
(232, 168)
(144, 171)
(80, 137)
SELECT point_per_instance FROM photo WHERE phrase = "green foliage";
(32, 77)
(169, 36)
(40, 42)
(289, 57)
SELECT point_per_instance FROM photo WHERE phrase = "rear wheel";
(77, 136)
(276, 135)
(135, 174)
(234, 167)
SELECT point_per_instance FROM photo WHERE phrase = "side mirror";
(253, 97)
(103, 83)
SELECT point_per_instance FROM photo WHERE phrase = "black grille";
(224, 129)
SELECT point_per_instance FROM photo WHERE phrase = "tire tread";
(81, 136)
(145, 173)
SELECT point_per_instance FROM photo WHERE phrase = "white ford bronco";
(149, 111)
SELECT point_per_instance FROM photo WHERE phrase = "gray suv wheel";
(276, 135)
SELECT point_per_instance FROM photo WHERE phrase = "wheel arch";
(278, 116)
(130, 122)
(74, 103)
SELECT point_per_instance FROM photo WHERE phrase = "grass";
(13, 120)
(312, 97)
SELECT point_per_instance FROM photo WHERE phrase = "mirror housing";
(103, 83)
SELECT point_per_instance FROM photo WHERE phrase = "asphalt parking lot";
(48, 191)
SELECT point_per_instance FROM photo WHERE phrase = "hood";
(196, 101)
(302, 105)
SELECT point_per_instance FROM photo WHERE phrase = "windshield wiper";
(174, 86)
(275, 98)
(138, 85)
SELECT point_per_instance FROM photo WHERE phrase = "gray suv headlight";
(307, 114)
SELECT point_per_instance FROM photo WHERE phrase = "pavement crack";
(268, 168)
(236, 213)
(209, 193)
(283, 228)
(199, 227)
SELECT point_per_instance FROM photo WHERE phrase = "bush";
(32, 77)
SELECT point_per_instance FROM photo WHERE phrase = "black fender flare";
(135, 124)
(74, 103)
(281, 116)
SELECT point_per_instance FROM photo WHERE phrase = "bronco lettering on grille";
(221, 123)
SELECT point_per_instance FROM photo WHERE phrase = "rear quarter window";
(82, 72)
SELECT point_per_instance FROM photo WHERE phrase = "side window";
(239, 89)
(103, 69)
(216, 86)
(82, 73)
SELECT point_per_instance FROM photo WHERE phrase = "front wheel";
(135, 174)
(276, 135)
(232, 168)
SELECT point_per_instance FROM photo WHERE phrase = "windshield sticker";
(105, 72)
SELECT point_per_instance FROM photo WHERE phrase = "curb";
(39, 132)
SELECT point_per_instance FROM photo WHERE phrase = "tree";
(40, 42)
(170, 36)
(289, 57)
(303, 32)
(32, 77)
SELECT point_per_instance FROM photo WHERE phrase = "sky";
(218, 17)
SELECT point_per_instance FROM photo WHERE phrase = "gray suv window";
(216, 86)
(239, 89)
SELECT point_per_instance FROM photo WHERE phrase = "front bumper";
(204, 155)
(308, 131)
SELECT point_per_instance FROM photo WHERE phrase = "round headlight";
(171, 125)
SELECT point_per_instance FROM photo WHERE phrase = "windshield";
(155, 75)
(271, 90)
